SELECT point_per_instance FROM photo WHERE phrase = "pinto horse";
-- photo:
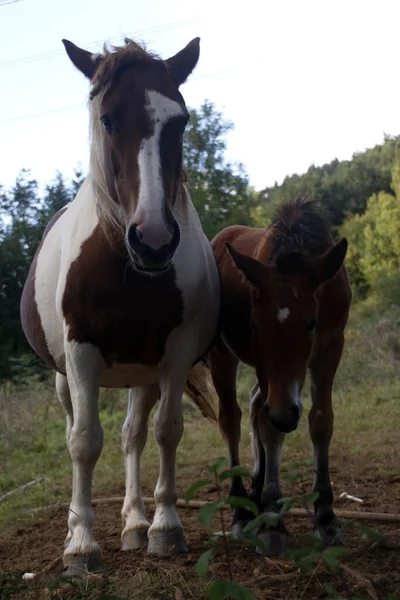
(285, 304)
(124, 290)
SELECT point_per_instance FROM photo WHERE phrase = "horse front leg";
(166, 533)
(257, 482)
(84, 365)
(223, 366)
(274, 538)
(134, 436)
(323, 370)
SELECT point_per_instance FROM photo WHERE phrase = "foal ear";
(329, 263)
(83, 60)
(255, 272)
(182, 64)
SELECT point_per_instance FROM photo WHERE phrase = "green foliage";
(207, 512)
(204, 562)
(342, 187)
(373, 258)
(24, 213)
(191, 491)
(223, 588)
(220, 190)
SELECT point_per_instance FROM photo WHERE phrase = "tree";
(24, 213)
(219, 189)
(342, 187)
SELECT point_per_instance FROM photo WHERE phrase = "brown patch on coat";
(125, 314)
(30, 318)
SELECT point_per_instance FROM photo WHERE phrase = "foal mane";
(113, 61)
(300, 231)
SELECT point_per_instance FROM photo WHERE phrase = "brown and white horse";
(285, 304)
(124, 289)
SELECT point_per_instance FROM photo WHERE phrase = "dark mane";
(116, 59)
(301, 231)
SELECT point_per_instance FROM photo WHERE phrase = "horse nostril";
(134, 236)
(296, 412)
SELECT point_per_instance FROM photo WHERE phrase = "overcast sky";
(304, 81)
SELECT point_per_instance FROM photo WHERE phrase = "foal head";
(138, 117)
(284, 318)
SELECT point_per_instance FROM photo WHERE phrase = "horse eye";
(312, 325)
(107, 122)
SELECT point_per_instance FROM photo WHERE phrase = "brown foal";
(285, 304)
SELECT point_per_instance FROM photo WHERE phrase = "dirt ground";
(370, 569)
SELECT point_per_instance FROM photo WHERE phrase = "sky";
(303, 81)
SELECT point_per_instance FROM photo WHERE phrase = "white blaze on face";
(283, 314)
(151, 185)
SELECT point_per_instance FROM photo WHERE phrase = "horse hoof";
(275, 543)
(134, 539)
(237, 527)
(79, 565)
(331, 535)
(167, 543)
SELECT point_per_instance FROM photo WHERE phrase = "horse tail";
(200, 389)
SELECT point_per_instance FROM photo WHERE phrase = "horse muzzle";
(147, 253)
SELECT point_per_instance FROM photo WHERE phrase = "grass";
(367, 434)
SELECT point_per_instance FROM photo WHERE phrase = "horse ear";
(254, 271)
(182, 64)
(329, 263)
(83, 60)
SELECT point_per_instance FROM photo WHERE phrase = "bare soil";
(370, 569)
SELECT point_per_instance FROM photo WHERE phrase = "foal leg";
(64, 396)
(134, 436)
(274, 538)
(223, 366)
(257, 482)
(85, 443)
(323, 370)
(166, 533)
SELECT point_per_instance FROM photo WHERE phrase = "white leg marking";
(64, 396)
(296, 395)
(134, 436)
(283, 314)
(272, 441)
(166, 534)
(84, 365)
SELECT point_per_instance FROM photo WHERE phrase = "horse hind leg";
(323, 370)
(64, 396)
(134, 436)
(223, 367)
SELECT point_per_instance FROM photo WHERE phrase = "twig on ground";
(354, 577)
(4, 497)
(294, 512)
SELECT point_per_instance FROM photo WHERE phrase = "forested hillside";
(362, 195)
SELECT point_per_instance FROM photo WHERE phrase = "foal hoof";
(134, 539)
(330, 535)
(79, 565)
(167, 543)
(238, 527)
(275, 543)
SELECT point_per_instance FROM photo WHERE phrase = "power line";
(42, 114)
(82, 104)
(5, 2)
(55, 53)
